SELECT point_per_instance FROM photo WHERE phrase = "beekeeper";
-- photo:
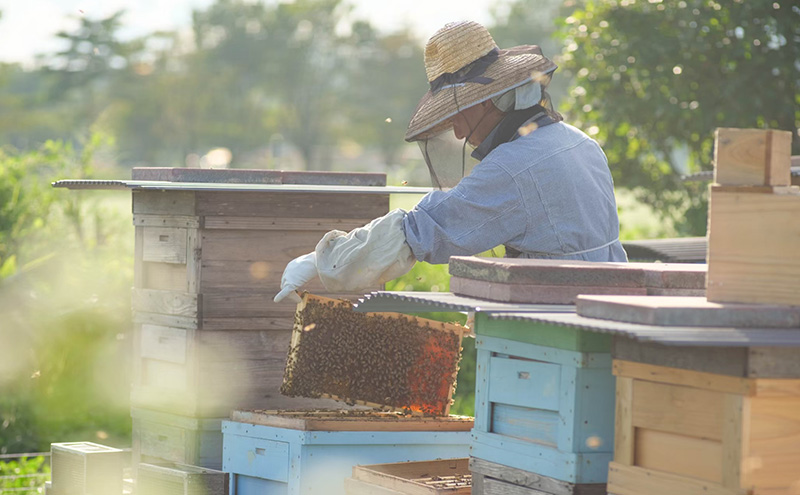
(541, 187)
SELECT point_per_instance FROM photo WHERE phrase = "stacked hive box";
(209, 259)
(269, 453)
(442, 477)
(544, 409)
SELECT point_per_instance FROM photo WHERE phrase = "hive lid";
(351, 420)
(537, 281)
(667, 335)
(439, 477)
(426, 302)
(687, 311)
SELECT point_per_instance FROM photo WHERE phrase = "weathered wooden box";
(695, 432)
(86, 468)
(208, 261)
(440, 477)
(543, 400)
(180, 479)
(312, 454)
(160, 437)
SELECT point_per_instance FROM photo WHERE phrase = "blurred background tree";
(654, 79)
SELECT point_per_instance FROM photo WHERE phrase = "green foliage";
(26, 472)
(654, 79)
(66, 273)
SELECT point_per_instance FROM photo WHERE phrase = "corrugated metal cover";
(425, 302)
(688, 336)
(674, 250)
(212, 186)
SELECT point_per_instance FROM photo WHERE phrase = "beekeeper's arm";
(355, 260)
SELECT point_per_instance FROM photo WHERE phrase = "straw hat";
(465, 67)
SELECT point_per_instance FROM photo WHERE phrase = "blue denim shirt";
(548, 194)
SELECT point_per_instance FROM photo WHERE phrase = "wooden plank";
(284, 223)
(165, 320)
(496, 487)
(256, 323)
(417, 478)
(182, 221)
(626, 480)
(530, 480)
(741, 225)
(623, 422)
(532, 294)
(165, 375)
(165, 302)
(543, 334)
(774, 443)
(235, 345)
(138, 247)
(766, 387)
(292, 205)
(733, 446)
(194, 254)
(532, 425)
(258, 245)
(686, 312)
(164, 343)
(752, 157)
(258, 176)
(351, 420)
(246, 274)
(524, 382)
(181, 203)
(358, 487)
(678, 454)
(732, 361)
(677, 409)
(687, 378)
(164, 276)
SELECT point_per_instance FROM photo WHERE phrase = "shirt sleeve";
(484, 210)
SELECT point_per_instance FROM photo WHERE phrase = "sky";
(27, 27)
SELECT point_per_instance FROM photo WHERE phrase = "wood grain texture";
(284, 223)
(358, 487)
(345, 420)
(740, 226)
(420, 477)
(292, 205)
(258, 245)
(526, 479)
(773, 456)
(169, 203)
(164, 276)
(626, 480)
(735, 422)
(694, 379)
(678, 454)
(180, 221)
(752, 157)
(172, 303)
(623, 424)
(677, 409)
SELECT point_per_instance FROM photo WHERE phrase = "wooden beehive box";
(560, 282)
(160, 437)
(754, 235)
(386, 360)
(208, 336)
(180, 479)
(543, 407)
(440, 477)
(86, 468)
(313, 452)
(693, 432)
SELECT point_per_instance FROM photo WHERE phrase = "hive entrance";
(389, 360)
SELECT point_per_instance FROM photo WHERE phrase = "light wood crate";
(692, 432)
(435, 477)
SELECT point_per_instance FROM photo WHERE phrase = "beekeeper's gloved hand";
(298, 273)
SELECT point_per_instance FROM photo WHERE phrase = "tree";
(387, 78)
(654, 79)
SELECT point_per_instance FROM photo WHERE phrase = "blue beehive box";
(314, 452)
(544, 399)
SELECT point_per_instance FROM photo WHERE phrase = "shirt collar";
(506, 130)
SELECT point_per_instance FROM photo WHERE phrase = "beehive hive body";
(546, 410)
(267, 460)
(208, 337)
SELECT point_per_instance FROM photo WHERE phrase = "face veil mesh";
(447, 158)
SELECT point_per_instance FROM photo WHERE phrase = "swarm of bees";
(394, 361)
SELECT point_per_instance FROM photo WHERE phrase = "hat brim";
(513, 67)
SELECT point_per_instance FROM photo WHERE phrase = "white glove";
(298, 273)
(366, 256)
